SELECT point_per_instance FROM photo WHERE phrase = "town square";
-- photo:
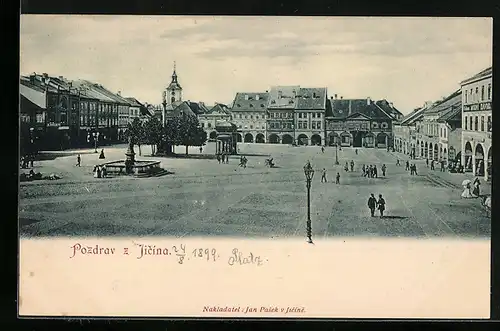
(280, 156)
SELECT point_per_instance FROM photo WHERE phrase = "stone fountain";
(131, 166)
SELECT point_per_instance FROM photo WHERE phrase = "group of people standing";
(371, 171)
(323, 176)
(347, 164)
(243, 161)
(224, 158)
(471, 190)
(442, 163)
(100, 171)
(412, 168)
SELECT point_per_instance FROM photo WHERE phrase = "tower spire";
(174, 67)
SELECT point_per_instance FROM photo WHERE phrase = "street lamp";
(336, 154)
(309, 172)
(96, 137)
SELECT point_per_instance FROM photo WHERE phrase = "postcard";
(255, 167)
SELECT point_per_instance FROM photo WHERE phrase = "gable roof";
(134, 102)
(343, 108)
(454, 113)
(283, 97)
(482, 74)
(250, 101)
(311, 98)
(454, 99)
(389, 108)
(219, 109)
(33, 94)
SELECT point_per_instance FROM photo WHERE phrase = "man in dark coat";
(372, 204)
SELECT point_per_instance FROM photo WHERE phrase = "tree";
(135, 130)
(190, 133)
(153, 132)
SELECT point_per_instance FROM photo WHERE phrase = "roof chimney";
(391, 104)
(335, 96)
(341, 97)
(350, 107)
(368, 101)
(331, 98)
(119, 93)
(257, 97)
(246, 96)
(267, 91)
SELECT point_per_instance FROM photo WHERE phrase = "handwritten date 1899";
(238, 258)
(208, 254)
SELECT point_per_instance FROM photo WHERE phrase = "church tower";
(173, 92)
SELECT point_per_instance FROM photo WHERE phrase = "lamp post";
(309, 173)
(336, 153)
(96, 137)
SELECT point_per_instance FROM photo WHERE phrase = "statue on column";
(130, 154)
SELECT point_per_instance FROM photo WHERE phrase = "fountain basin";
(139, 167)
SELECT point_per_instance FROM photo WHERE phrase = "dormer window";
(238, 105)
(257, 97)
(262, 105)
(291, 101)
(314, 95)
(251, 106)
(280, 94)
(246, 96)
(273, 101)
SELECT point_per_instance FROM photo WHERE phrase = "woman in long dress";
(95, 171)
(467, 194)
(475, 185)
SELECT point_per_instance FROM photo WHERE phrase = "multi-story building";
(450, 134)
(358, 123)
(208, 120)
(430, 139)
(70, 113)
(477, 123)
(249, 116)
(280, 114)
(309, 116)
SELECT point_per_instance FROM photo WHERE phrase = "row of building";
(291, 115)
(64, 113)
(456, 129)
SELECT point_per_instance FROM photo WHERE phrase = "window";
(482, 123)
(465, 96)
(489, 91)
(375, 125)
(482, 93)
(313, 125)
(257, 117)
(202, 125)
(384, 125)
(209, 125)
(489, 124)
(251, 126)
(476, 122)
(239, 126)
(251, 117)
(40, 118)
(470, 123)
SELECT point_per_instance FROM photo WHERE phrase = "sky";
(405, 60)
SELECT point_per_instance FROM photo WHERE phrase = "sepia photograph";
(279, 129)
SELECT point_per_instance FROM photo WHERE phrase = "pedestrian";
(372, 204)
(364, 170)
(475, 187)
(375, 171)
(101, 156)
(427, 162)
(356, 151)
(218, 157)
(227, 157)
(407, 167)
(346, 167)
(323, 176)
(78, 161)
(337, 178)
(415, 169)
(322, 149)
(370, 171)
(32, 159)
(381, 205)
(352, 165)
(432, 165)
(442, 166)
(384, 168)
(104, 172)
(201, 149)
(397, 162)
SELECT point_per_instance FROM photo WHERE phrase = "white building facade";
(477, 108)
